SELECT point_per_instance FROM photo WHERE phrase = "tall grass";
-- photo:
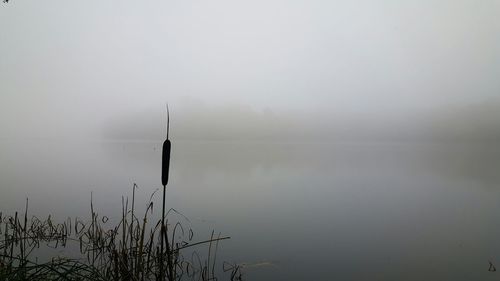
(128, 250)
(134, 249)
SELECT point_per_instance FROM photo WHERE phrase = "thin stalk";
(162, 230)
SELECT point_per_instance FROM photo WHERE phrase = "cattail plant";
(165, 164)
(123, 252)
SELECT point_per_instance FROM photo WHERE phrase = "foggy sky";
(101, 69)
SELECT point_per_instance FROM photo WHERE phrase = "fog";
(259, 69)
(350, 140)
(475, 122)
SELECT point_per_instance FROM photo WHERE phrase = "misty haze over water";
(397, 210)
(301, 195)
(350, 140)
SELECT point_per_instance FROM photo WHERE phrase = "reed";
(127, 250)
(131, 250)
(165, 165)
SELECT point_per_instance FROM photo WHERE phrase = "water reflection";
(476, 162)
(352, 211)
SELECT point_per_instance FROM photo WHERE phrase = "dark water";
(295, 211)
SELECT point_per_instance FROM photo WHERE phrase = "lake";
(294, 211)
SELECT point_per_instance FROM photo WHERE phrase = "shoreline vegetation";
(127, 251)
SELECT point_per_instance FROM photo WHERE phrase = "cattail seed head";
(165, 162)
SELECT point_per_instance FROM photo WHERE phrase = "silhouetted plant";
(127, 251)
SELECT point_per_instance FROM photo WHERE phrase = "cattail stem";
(162, 233)
(165, 164)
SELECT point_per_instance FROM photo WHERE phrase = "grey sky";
(74, 67)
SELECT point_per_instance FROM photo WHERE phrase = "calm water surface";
(295, 211)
